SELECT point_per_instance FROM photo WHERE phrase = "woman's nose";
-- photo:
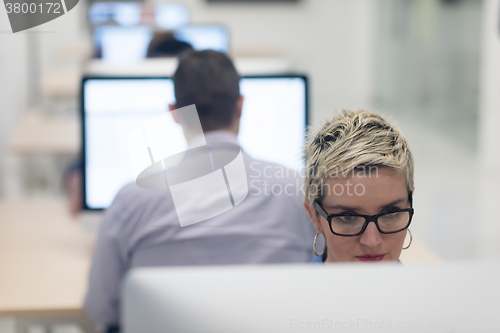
(371, 237)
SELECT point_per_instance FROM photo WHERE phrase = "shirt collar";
(214, 136)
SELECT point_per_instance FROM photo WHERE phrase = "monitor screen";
(204, 37)
(128, 44)
(272, 128)
(122, 45)
(123, 13)
(170, 16)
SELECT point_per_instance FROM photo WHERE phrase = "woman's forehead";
(370, 190)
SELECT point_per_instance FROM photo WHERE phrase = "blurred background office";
(417, 61)
(433, 66)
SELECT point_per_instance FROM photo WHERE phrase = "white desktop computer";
(445, 298)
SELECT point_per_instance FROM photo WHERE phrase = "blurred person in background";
(141, 227)
(164, 44)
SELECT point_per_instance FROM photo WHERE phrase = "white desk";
(65, 80)
(167, 66)
(44, 258)
(37, 133)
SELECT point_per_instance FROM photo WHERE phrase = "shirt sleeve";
(108, 268)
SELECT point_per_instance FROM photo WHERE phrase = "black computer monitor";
(272, 127)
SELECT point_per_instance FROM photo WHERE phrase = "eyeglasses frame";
(368, 218)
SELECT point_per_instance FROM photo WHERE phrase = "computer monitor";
(122, 45)
(458, 297)
(170, 16)
(204, 37)
(129, 44)
(122, 13)
(272, 128)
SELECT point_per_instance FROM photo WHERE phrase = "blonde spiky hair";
(352, 140)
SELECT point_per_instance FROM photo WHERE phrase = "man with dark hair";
(141, 228)
(164, 44)
(209, 80)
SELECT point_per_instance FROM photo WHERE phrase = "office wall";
(489, 134)
(426, 77)
(13, 92)
(490, 85)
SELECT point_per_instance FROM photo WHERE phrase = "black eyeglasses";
(354, 224)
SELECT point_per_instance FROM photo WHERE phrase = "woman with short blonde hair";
(359, 169)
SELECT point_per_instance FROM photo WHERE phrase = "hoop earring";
(411, 239)
(314, 245)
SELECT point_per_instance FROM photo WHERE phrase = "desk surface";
(44, 259)
(37, 133)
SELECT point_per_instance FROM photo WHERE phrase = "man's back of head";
(209, 80)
